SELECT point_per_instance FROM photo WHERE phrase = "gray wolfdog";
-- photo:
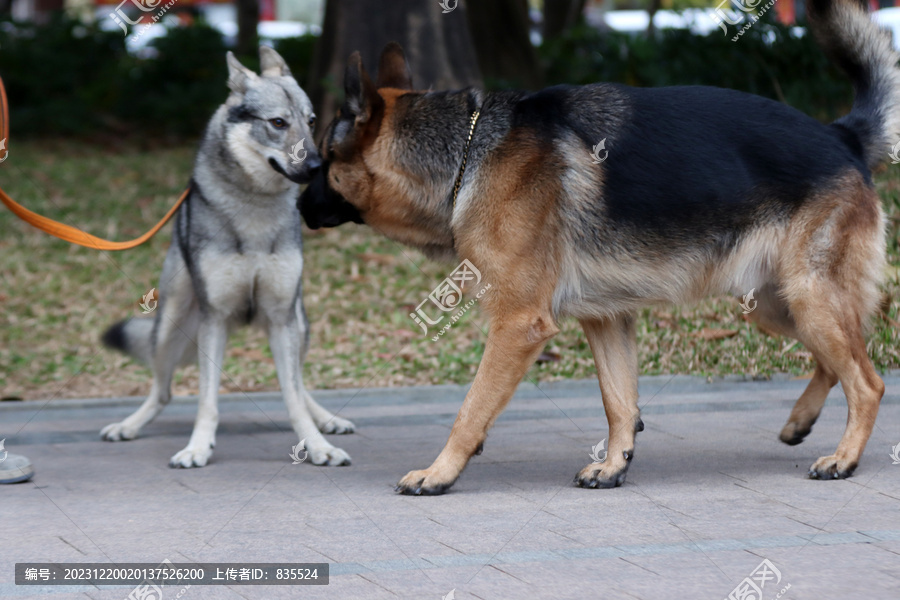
(236, 259)
(704, 191)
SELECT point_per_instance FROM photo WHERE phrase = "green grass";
(56, 299)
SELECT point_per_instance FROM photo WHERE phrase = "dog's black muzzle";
(304, 173)
(321, 206)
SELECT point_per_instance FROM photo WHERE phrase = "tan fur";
(615, 355)
(833, 261)
(500, 237)
(816, 273)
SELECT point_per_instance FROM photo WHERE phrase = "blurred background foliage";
(69, 78)
(73, 79)
(770, 61)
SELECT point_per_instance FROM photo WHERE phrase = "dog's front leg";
(285, 340)
(513, 344)
(211, 338)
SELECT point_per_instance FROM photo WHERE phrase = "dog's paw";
(608, 474)
(596, 476)
(423, 483)
(191, 457)
(793, 433)
(117, 432)
(832, 467)
(337, 425)
(328, 456)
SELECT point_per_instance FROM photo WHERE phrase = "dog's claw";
(832, 467)
(116, 432)
(329, 456)
(603, 476)
(337, 426)
(416, 484)
(190, 458)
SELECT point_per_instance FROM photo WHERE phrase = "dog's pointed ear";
(239, 76)
(360, 96)
(271, 64)
(393, 70)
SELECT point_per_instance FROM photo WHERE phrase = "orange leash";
(61, 230)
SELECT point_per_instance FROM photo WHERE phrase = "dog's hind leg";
(837, 341)
(831, 271)
(772, 316)
(614, 347)
(175, 329)
(808, 406)
(286, 341)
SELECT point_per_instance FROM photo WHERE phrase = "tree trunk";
(248, 22)
(437, 45)
(560, 15)
(45, 9)
(505, 54)
(655, 5)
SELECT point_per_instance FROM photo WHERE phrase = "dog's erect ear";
(271, 64)
(239, 76)
(393, 70)
(360, 95)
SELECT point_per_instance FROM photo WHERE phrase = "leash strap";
(62, 231)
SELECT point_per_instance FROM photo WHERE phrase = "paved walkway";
(710, 495)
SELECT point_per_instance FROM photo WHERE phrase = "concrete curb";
(647, 383)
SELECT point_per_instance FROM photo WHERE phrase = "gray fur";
(236, 259)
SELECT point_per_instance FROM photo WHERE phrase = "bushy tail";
(864, 51)
(132, 337)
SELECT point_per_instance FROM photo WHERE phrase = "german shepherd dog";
(236, 259)
(704, 191)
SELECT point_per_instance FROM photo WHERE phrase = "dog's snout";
(302, 173)
(313, 163)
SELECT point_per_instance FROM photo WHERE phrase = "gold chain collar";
(462, 168)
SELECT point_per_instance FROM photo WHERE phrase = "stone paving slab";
(710, 495)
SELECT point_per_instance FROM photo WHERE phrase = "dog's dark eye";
(278, 123)
(312, 120)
